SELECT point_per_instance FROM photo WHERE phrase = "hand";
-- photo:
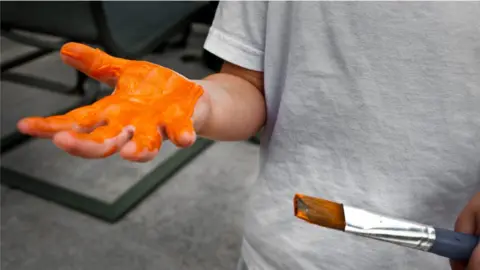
(149, 102)
(469, 222)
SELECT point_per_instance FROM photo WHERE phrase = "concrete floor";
(194, 221)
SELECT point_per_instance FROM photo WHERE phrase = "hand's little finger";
(181, 133)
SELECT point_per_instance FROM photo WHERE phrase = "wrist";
(202, 110)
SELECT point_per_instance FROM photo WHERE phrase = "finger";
(477, 222)
(466, 221)
(45, 127)
(456, 265)
(474, 263)
(83, 119)
(104, 141)
(93, 62)
(180, 132)
(145, 143)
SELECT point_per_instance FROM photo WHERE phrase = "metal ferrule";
(396, 231)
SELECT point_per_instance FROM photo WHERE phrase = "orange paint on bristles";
(319, 211)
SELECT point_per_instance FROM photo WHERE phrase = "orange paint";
(319, 211)
(147, 96)
(298, 212)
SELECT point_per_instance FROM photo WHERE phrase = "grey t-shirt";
(371, 104)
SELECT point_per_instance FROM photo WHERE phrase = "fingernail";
(22, 125)
(187, 138)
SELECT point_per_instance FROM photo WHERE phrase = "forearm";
(236, 108)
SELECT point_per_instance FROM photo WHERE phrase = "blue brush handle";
(454, 245)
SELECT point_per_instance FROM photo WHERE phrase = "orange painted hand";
(149, 102)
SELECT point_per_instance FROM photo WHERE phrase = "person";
(371, 104)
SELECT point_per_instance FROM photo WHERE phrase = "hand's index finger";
(93, 62)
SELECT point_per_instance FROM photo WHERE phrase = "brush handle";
(454, 245)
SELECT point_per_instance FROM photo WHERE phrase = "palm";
(148, 101)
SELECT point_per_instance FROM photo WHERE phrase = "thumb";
(93, 62)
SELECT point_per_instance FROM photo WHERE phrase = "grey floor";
(194, 221)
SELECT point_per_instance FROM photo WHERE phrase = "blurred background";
(184, 210)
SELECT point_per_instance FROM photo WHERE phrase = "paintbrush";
(443, 242)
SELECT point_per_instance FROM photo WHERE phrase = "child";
(373, 104)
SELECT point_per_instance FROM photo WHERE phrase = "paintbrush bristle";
(319, 211)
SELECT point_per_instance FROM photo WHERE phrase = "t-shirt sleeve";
(237, 34)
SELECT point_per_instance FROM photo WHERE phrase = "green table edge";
(109, 212)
